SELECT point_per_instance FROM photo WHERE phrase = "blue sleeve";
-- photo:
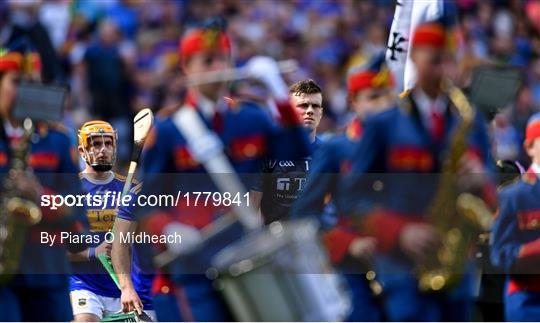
(504, 242)
(67, 162)
(156, 155)
(367, 157)
(126, 212)
(321, 180)
(157, 166)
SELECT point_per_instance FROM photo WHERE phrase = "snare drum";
(281, 274)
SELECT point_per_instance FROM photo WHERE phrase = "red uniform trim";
(3, 159)
(183, 158)
(529, 220)
(44, 160)
(386, 226)
(411, 159)
(530, 283)
(429, 34)
(162, 284)
(11, 61)
(337, 242)
(248, 148)
(355, 130)
(529, 254)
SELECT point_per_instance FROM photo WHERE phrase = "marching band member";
(283, 180)
(491, 290)
(515, 236)
(93, 292)
(391, 187)
(39, 291)
(248, 134)
(370, 91)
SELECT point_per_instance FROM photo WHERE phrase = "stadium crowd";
(90, 37)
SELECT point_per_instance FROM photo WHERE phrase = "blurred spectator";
(535, 79)
(135, 44)
(107, 69)
(524, 107)
(506, 138)
(125, 17)
(55, 17)
(23, 23)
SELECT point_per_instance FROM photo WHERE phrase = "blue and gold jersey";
(101, 212)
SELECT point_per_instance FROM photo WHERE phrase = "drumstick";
(231, 74)
(142, 123)
(207, 148)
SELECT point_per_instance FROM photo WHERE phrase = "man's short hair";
(305, 87)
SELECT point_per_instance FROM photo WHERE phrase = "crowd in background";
(120, 56)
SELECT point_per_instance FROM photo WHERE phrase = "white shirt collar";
(12, 131)
(536, 169)
(425, 105)
(208, 107)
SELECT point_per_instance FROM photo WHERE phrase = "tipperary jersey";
(283, 180)
(101, 211)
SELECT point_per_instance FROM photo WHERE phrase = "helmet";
(93, 129)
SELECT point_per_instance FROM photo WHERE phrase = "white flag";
(408, 15)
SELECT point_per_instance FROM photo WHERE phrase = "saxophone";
(456, 216)
(16, 212)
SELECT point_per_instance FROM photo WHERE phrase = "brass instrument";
(16, 212)
(456, 216)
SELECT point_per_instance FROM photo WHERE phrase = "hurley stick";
(142, 123)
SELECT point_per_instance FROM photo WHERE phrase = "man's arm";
(507, 251)
(90, 253)
(320, 183)
(121, 260)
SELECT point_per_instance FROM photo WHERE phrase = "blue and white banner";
(408, 15)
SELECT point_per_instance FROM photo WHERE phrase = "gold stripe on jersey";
(122, 178)
(101, 220)
(136, 189)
